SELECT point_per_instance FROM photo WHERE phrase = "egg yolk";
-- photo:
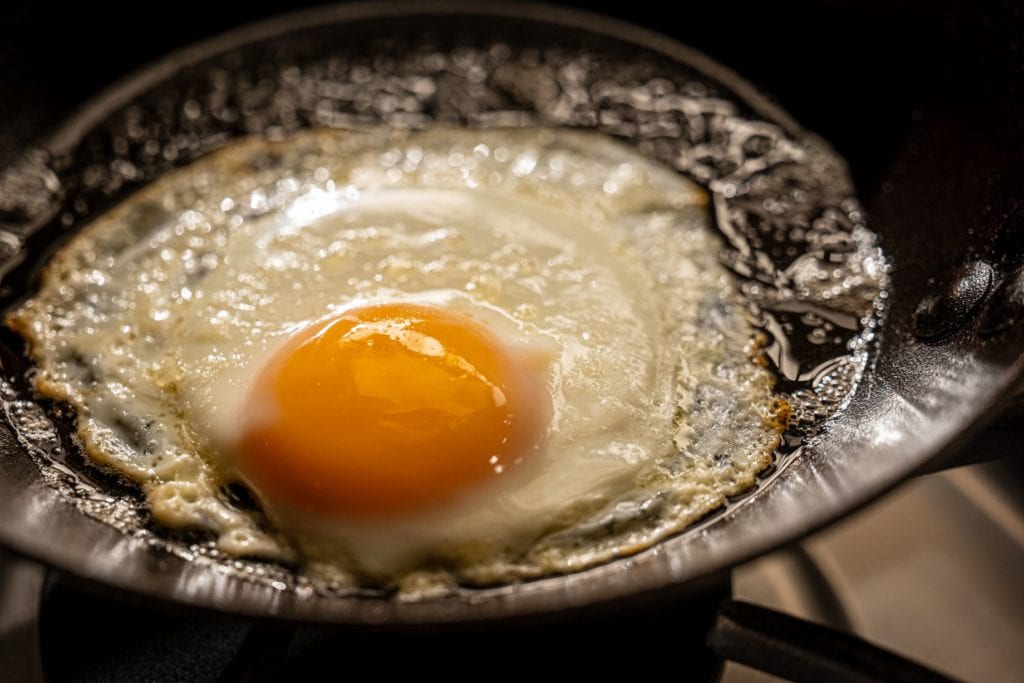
(386, 409)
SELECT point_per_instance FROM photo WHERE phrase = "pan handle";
(798, 650)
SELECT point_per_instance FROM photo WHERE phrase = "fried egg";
(472, 355)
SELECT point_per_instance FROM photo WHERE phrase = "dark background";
(860, 73)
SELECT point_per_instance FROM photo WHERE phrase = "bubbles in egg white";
(154, 320)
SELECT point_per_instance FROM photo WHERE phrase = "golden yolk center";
(385, 409)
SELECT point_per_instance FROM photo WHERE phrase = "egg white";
(567, 245)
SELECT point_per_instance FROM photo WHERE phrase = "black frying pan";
(949, 349)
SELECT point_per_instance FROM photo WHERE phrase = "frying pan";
(948, 353)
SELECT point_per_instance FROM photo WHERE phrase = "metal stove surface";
(932, 572)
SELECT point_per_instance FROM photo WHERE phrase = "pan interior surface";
(796, 239)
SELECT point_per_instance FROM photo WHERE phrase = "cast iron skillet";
(948, 354)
